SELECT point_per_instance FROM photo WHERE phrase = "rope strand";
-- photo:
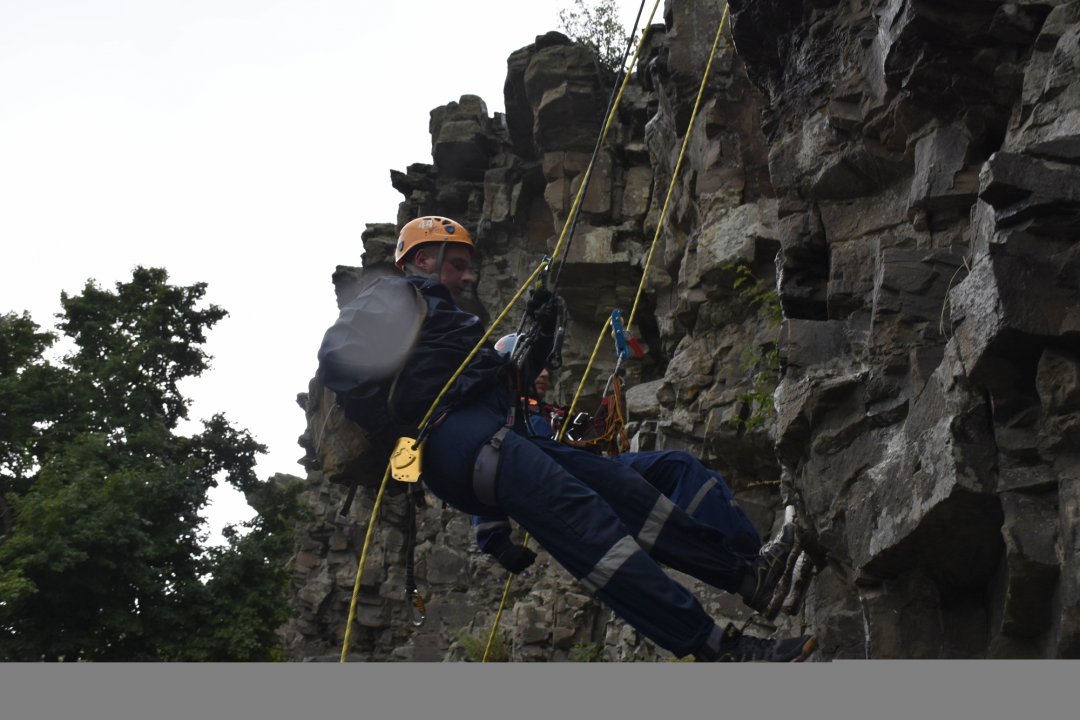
(363, 562)
(678, 167)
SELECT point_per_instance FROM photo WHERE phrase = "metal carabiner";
(621, 349)
(417, 602)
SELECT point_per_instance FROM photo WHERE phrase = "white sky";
(241, 143)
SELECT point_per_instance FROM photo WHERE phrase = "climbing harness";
(605, 430)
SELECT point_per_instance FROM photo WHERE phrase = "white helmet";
(505, 345)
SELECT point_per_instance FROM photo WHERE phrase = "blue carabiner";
(621, 348)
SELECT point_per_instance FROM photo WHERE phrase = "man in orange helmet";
(437, 248)
(600, 520)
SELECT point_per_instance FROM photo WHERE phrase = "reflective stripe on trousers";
(581, 530)
(667, 532)
(693, 506)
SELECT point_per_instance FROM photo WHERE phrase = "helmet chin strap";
(436, 276)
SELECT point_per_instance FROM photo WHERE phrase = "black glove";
(537, 299)
(543, 307)
(516, 558)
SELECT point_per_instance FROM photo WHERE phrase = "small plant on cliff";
(596, 25)
(587, 652)
(761, 364)
(475, 644)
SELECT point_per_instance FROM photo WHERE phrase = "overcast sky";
(241, 143)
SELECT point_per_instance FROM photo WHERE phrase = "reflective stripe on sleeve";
(493, 525)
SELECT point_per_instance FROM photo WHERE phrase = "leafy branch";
(598, 27)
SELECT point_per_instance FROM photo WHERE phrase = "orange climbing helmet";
(430, 229)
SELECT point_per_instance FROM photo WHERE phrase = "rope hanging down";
(678, 165)
(644, 275)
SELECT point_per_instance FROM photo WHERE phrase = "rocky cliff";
(864, 302)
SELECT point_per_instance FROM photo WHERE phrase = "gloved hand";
(544, 309)
(537, 299)
(516, 558)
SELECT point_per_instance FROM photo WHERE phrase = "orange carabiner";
(421, 608)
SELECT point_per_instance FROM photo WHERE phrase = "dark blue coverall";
(597, 518)
(678, 475)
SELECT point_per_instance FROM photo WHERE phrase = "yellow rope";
(363, 561)
(502, 604)
(678, 166)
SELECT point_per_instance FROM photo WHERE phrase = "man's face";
(543, 383)
(457, 270)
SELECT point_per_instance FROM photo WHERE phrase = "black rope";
(410, 547)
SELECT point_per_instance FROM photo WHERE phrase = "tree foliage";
(101, 498)
(597, 26)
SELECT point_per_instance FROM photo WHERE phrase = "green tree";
(596, 26)
(30, 389)
(101, 553)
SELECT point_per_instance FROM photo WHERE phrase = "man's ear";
(423, 259)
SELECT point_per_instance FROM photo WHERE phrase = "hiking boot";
(768, 567)
(738, 647)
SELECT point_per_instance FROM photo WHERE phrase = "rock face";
(863, 301)
(928, 155)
